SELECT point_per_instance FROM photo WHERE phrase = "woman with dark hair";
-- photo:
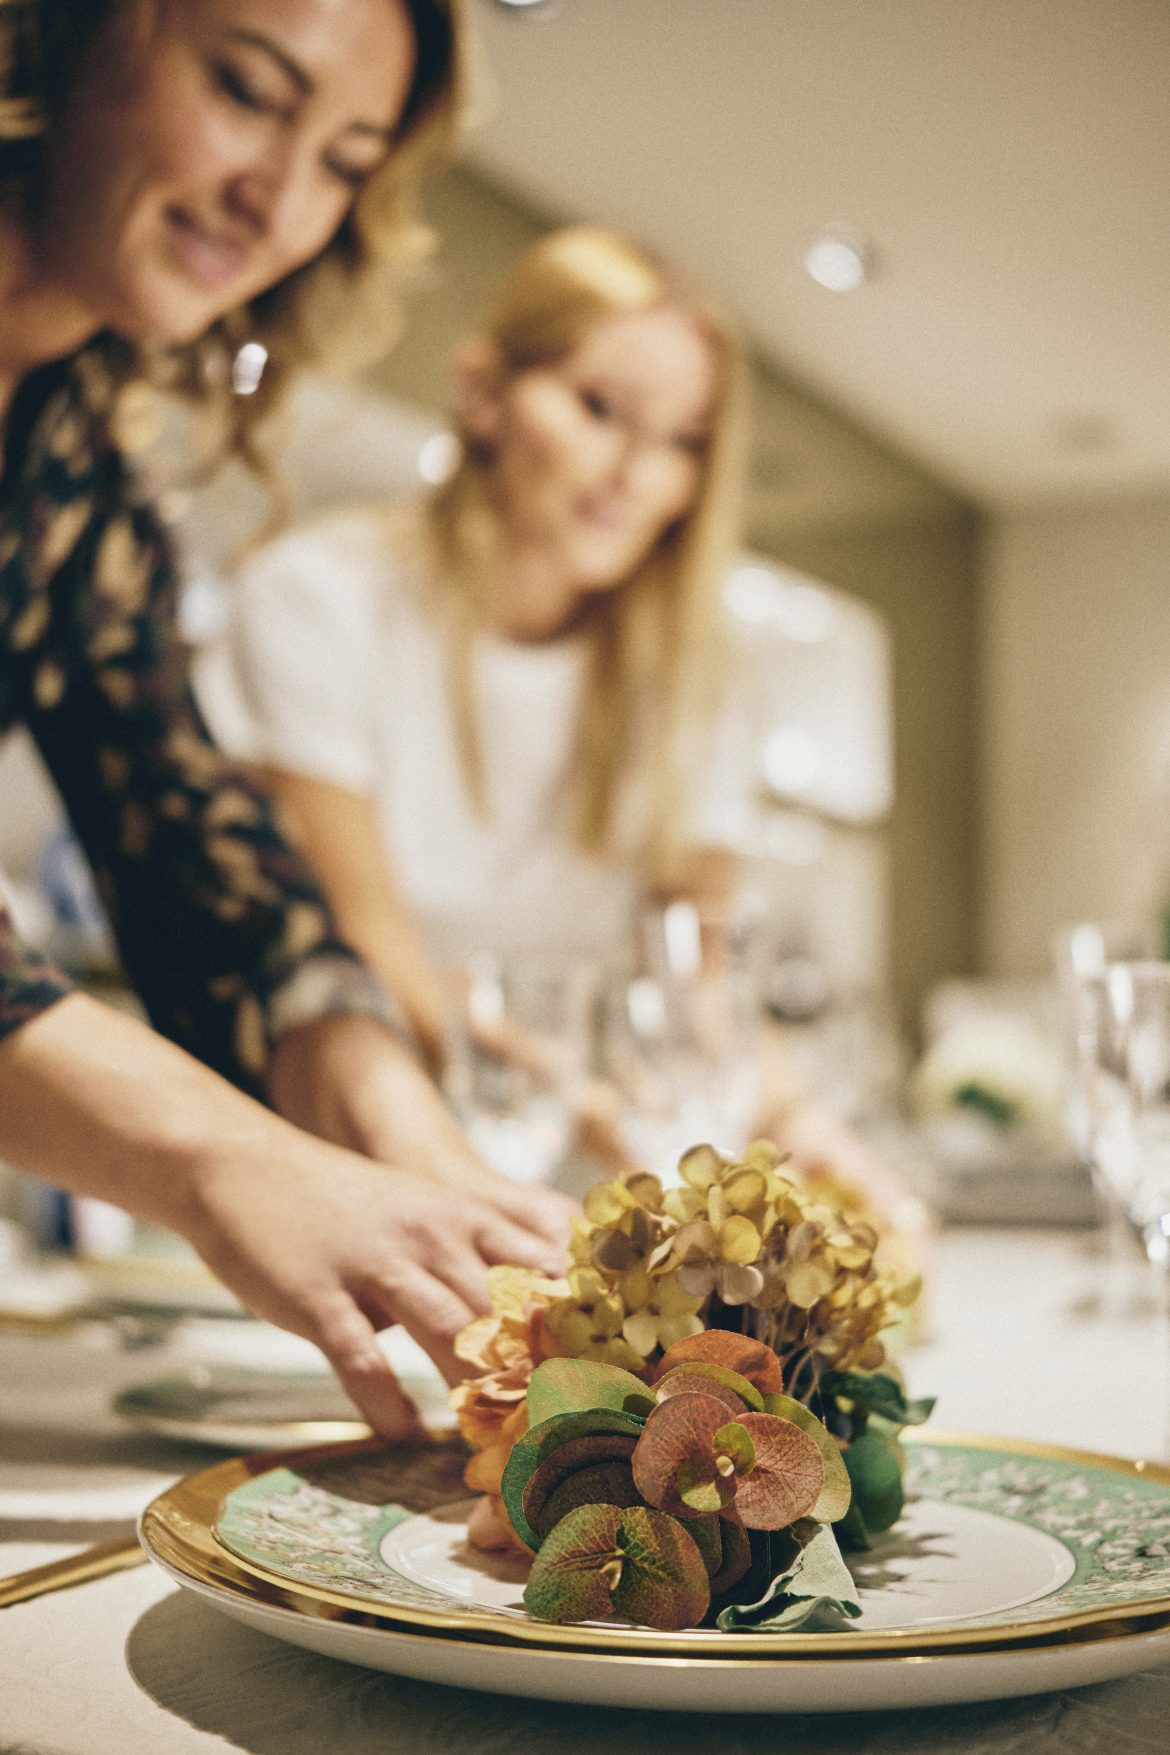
(177, 177)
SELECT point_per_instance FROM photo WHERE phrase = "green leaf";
(537, 1445)
(573, 1386)
(837, 1491)
(851, 1529)
(689, 1380)
(635, 1563)
(734, 1442)
(815, 1579)
(875, 1469)
(701, 1487)
(567, 1582)
(878, 1393)
(593, 1470)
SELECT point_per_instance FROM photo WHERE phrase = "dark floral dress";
(220, 924)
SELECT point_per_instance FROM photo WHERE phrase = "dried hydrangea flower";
(588, 1323)
(661, 1311)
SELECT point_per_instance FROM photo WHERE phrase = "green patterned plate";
(999, 1542)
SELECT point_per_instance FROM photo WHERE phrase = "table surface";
(130, 1665)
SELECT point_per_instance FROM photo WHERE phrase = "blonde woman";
(505, 721)
(497, 722)
(177, 176)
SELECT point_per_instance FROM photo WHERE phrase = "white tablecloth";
(131, 1666)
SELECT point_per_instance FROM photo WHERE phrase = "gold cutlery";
(96, 1562)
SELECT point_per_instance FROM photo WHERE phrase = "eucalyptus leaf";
(602, 1561)
(573, 1386)
(688, 1380)
(732, 1351)
(594, 1470)
(701, 1488)
(837, 1490)
(875, 1469)
(734, 1442)
(815, 1580)
(537, 1445)
(725, 1547)
(878, 1393)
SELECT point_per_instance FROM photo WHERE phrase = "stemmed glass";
(1128, 1091)
(1126, 1077)
(679, 1044)
(1084, 953)
(516, 1059)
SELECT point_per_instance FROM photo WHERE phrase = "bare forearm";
(389, 941)
(340, 833)
(99, 1104)
(312, 1237)
(348, 1080)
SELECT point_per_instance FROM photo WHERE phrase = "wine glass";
(1126, 1073)
(1084, 952)
(679, 1045)
(516, 1057)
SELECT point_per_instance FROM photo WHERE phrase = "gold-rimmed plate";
(1017, 1568)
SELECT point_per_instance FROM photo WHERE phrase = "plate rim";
(254, 1594)
(180, 1522)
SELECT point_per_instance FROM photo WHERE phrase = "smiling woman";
(176, 177)
(225, 171)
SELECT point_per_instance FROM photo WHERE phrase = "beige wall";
(1076, 819)
(830, 499)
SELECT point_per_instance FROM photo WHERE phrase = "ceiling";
(1009, 161)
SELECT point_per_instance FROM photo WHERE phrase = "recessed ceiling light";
(838, 259)
(529, 5)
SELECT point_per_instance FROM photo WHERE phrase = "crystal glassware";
(515, 1059)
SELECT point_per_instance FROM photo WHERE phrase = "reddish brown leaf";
(719, 1346)
(680, 1430)
(600, 1459)
(788, 1476)
(691, 1380)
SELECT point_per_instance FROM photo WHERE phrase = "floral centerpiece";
(688, 1424)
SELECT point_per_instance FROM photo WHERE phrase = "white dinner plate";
(1016, 1569)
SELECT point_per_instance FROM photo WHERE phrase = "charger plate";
(1017, 1568)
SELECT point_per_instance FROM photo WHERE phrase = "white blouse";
(334, 665)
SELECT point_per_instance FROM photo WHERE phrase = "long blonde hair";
(342, 307)
(656, 642)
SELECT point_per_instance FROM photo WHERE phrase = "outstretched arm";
(307, 1234)
(339, 832)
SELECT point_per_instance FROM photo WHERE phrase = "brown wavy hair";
(340, 308)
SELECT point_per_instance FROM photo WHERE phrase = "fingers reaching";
(348, 1340)
(540, 1215)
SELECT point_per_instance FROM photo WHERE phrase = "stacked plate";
(1016, 1569)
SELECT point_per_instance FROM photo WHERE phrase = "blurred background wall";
(1076, 723)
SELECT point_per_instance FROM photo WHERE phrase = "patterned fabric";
(220, 924)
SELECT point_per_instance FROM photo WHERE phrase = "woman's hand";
(306, 1233)
(326, 1244)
